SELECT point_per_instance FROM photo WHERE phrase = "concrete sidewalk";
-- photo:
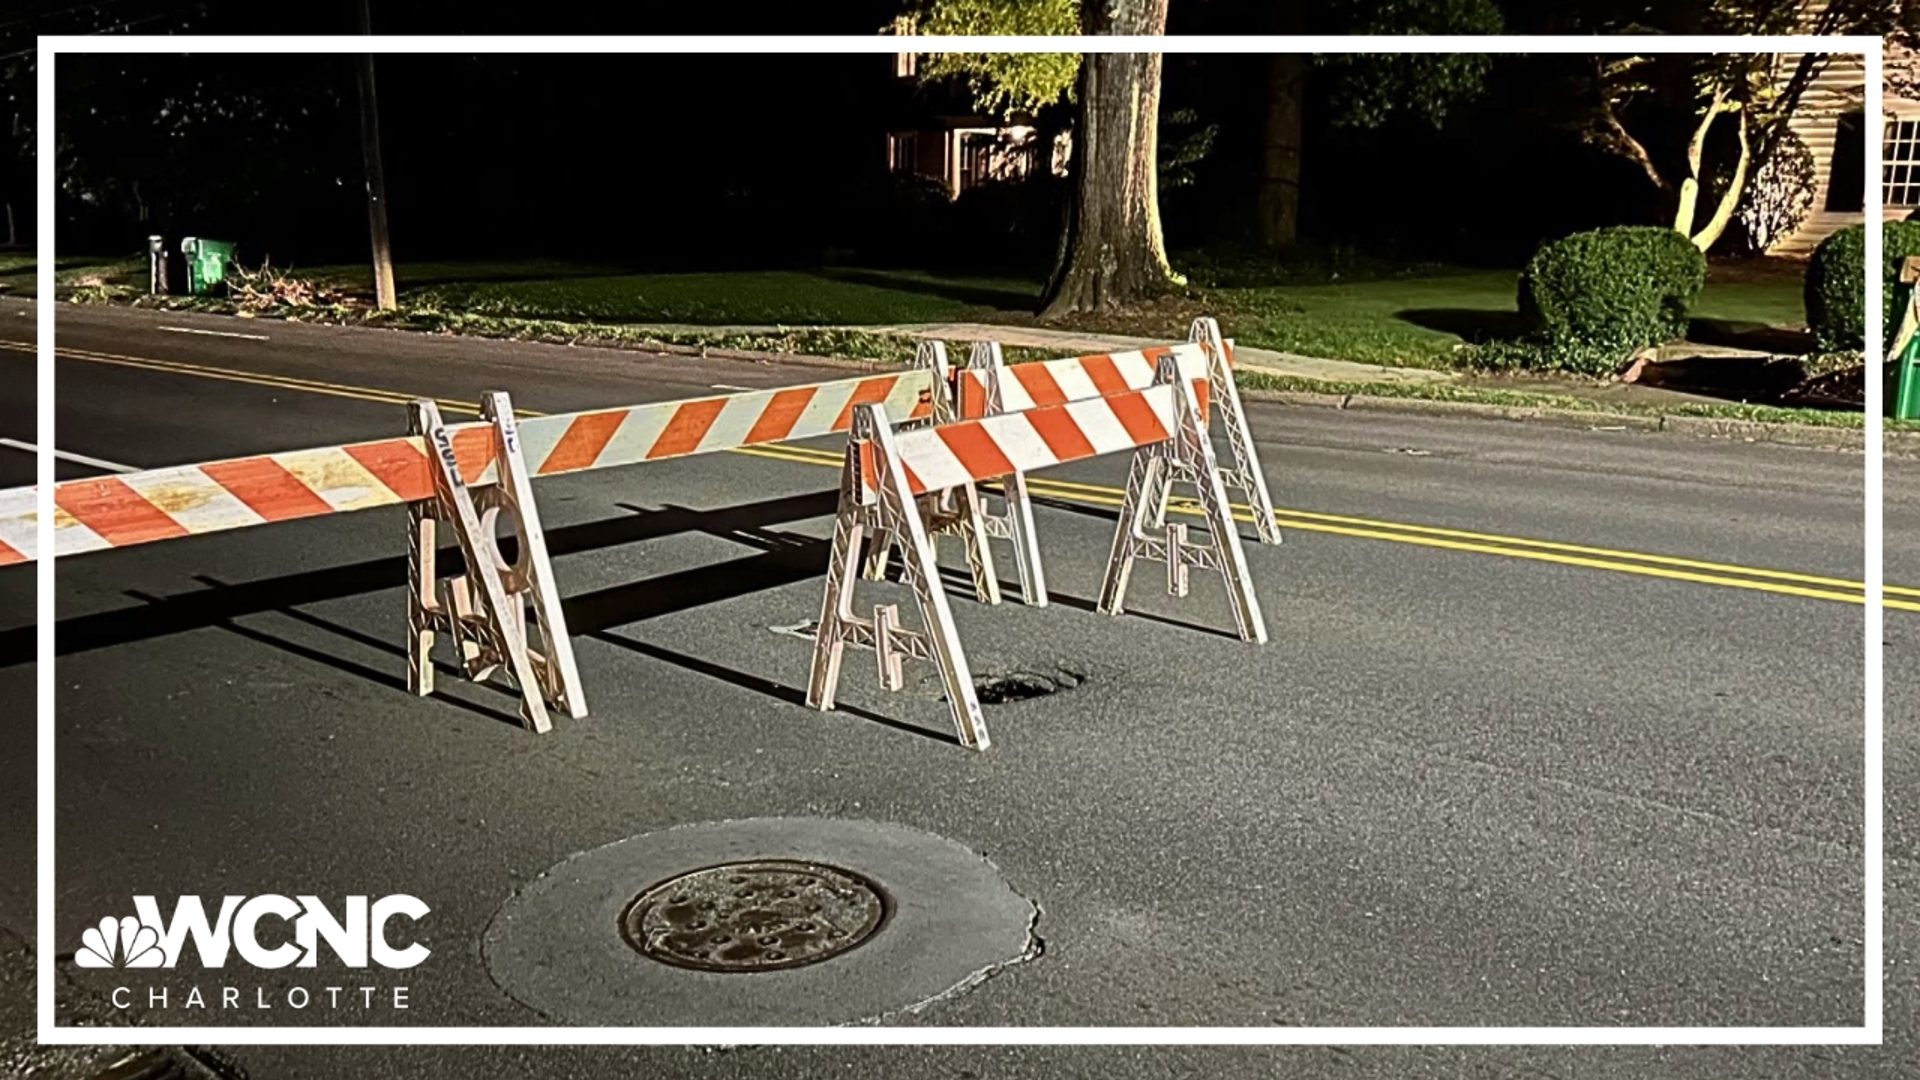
(1267, 360)
(1249, 358)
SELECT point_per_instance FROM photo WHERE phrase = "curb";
(1899, 443)
(1902, 443)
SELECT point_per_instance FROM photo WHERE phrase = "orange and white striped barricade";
(988, 386)
(886, 472)
(1013, 521)
(464, 476)
(485, 610)
(1245, 474)
(954, 512)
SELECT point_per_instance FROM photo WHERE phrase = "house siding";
(1838, 91)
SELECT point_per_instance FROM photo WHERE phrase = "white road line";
(212, 333)
(68, 455)
(730, 386)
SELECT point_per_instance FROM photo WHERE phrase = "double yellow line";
(1728, 575)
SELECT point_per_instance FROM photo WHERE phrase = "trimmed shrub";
(1835, 290)
(1594, 297)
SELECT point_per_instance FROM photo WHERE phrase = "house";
(1831, 119)
(934, 135)
(965, 151)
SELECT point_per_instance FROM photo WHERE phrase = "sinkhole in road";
(1022, 685)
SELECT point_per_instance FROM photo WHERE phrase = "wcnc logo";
(357, 938)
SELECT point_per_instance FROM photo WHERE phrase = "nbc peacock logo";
(119, 943)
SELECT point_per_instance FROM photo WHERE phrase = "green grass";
(1421, 321)
(829, 297)
(19, 276)
(1370, 312)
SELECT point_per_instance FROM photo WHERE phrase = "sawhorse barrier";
(988, 386)
(886, 474)
(504, 616)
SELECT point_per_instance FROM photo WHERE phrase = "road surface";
(1556, 726)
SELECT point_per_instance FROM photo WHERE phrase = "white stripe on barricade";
(190, 500)
(886, 471)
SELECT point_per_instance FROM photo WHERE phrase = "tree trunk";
(1730, 198)
(383, 287)
(1690, 187)
(1279, 205)
(1112, 253)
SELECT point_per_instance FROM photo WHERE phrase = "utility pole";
(376, 176)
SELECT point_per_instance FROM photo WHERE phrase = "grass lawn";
(828, 297)
(1417, 321)
(1377, 314)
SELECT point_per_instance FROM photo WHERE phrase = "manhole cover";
(762, 915)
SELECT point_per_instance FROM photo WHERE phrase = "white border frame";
(1870, 48)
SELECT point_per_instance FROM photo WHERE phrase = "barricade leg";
(953, 512)
(887, 508)
(1142, 532)
(485, 611)
(1013, 522)
(1244, 474)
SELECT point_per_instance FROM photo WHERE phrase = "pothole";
(757, 915)
(1023, 685)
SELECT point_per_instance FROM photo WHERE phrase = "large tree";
(1363, 89)
(1112, 251)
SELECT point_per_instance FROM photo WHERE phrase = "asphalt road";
(1473, 780)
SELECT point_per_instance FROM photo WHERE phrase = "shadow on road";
(785, 558)
(761, 686)
(339, 663)
(162, 616)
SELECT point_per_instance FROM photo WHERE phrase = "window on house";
(1846, 171)
(1901, 171)
(903, 152)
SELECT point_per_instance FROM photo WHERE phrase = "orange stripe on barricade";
(1134, 414)
(1105, 375)
(1061, 433)
(267, 488)
(869, 392)
(1040, 384)
(973, 399)
(976, 450)
(473, 451)
(689, 425)
(116, 512)
(579, 447)
(397, 463)
(781, 414)
(10, 555)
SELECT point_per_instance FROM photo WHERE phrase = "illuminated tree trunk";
(383, 288)
(1112, 253)
(1279, 205)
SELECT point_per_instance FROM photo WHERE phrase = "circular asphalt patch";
(562, 945)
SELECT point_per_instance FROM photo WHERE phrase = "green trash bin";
(1906, 394)
(207, 262)
(1906, 399)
